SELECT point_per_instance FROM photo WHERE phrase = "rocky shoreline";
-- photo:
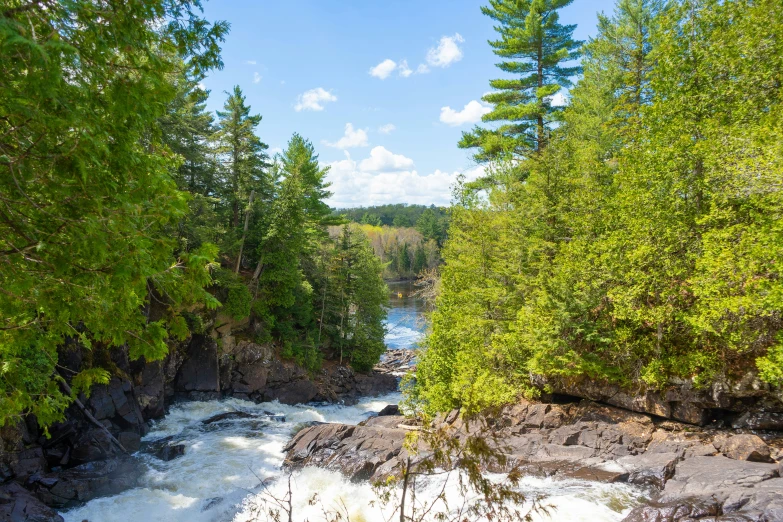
(691, 473)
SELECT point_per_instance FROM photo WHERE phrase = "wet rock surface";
(692, 474)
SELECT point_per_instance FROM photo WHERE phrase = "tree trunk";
(244, 233)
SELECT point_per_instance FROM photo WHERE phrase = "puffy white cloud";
(314, 100)
(382, 159)
(422, 69)
(256, 78)
(558, 100)
(383, 69)
(471, 113)
(447, 51)
(387, 129)
(352, 138)
(353, 186)
(404, 70)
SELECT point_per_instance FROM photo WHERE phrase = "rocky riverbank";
(692, 473)
(87, 455)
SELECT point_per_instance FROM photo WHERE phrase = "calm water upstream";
(217, 479)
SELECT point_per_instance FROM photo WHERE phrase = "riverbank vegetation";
(633, 236)
(124, 203)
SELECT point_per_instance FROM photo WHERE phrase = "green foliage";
(644, 245)
(87, 185)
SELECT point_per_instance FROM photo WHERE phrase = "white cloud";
(201, 86)
(404, 70)
(471, 113)
(352, 138)
(354, 186)
(256, 78)
(383, 69)
(251, 62)
(275, 150)
(314, 99)
(422, 69)
(383, 160)
(447, 51)
(558, 100)
(387, 129)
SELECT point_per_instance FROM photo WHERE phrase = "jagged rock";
(359, 452)
(650, 469)
(744, 447)
(18, 505)
(760, 420)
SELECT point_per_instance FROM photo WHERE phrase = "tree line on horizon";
(632, 237)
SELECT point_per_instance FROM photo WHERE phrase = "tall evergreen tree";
(534, 47)
(243, 154)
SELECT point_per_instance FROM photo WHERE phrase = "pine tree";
(243, 154)
(534, 46)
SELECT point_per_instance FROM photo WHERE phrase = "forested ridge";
(128, 211)
(632, 237)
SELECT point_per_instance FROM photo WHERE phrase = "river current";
(219, 477)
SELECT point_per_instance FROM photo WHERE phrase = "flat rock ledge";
(691, 473)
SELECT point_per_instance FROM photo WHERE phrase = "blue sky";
(406, 75)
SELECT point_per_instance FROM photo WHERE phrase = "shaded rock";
(759, 420)
(389, 409)
(170, 452)
(650, 469)
(744, 447)
(130, 440)
(83, 483)
(229, 415)
(297, 392)
(199, 371)
(18, 505)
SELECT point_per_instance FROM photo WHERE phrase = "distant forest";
(407, 238)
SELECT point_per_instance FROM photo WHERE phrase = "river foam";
(218, 478)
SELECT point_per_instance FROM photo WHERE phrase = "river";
(218, 478)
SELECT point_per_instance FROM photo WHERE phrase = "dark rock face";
(85, 482)
(17, 505)
(199, 372)
(699, 473)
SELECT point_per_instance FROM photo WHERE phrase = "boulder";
(698, 475)
(389, 409)
(744, 447)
